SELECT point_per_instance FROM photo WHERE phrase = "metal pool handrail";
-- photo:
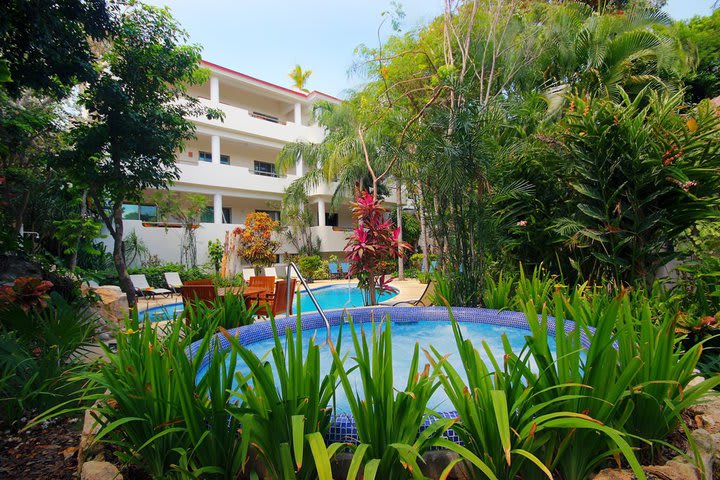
(310, 294)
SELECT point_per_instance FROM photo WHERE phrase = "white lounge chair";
(270, 272)
(247, 273)
(173, 281)
(143, 288)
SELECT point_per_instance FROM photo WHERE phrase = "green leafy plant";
(278, 417)
(498, 293)
(216, 251)
(227, 311)
(309, 265)
(387, 419)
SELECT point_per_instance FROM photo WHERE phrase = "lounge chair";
(173, 281)
(267, 283)
(269, 272)
(425, 299)
(433, 266)
(333, 269)
(247, 273)
(345, 268)
(143, 288)
(276, 302)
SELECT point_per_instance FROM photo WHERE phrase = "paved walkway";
(410, 289)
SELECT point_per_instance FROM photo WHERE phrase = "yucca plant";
(279, 417)
(387, 418)
(592, 383)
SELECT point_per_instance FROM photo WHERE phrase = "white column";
(298, 114)
(217, 208)
(215, 152)
(321, 213)
(214, 90)
(299, 166)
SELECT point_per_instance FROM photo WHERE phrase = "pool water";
(330, 297)
(404, 336)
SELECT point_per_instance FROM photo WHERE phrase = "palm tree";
(299, 77)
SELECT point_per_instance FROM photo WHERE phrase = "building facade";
(232, 162)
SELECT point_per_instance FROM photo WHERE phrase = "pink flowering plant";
(373, 241)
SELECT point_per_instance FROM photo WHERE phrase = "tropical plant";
(255, 241)
(373, 241)
(309, 265)
(388, 419)
(282, 418)
(299, 77)
(226, 311)
(641, 174)
(43, 347)
(215, 253)
(188, 210)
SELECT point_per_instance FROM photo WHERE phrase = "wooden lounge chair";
(276, 303)
(143, 288)
(173, 281)
(425, 299)
(198, 291)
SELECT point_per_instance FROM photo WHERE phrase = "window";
(208, 215)
(144, 212)
(331, 219)
(274, 214)
(207, 157)
(264, 168)
(266, 117)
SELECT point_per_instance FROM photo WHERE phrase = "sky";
(266, 39)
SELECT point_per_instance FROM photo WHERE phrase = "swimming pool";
(329, 297)
(427, 325)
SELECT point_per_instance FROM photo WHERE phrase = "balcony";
(232, 177)
(259, 125)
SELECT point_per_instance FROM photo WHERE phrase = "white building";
(232, 163)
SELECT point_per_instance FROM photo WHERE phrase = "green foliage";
(308, 265)
(641, 173)
(278, 416)
(228, 311)
(41, 352)
(156, 274)
(387, 419)
(701, 32)
(216, 253)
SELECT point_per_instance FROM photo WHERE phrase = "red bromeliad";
(373, 241)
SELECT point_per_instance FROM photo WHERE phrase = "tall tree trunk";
(398, 200)
(371, 292)
(83, 214)
(423, 230)
(119, 257)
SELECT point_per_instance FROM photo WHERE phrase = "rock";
(614, 474)
(707, 447)
(112, 309)
(89, 449)
(674, 470)
(100, 471)
(13, 266)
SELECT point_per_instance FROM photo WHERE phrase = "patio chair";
(433, 266)
(333, 269)
(281, 271)
(247, 273)
(173, 281)
(345, 268)
(198, 292)
(267, 283)
(269, 272)
(425, 299)
(143, 288)
(276, 303)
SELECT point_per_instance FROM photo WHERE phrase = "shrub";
(308, 265)
(41, 351)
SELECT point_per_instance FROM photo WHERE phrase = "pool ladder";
(288, 305)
